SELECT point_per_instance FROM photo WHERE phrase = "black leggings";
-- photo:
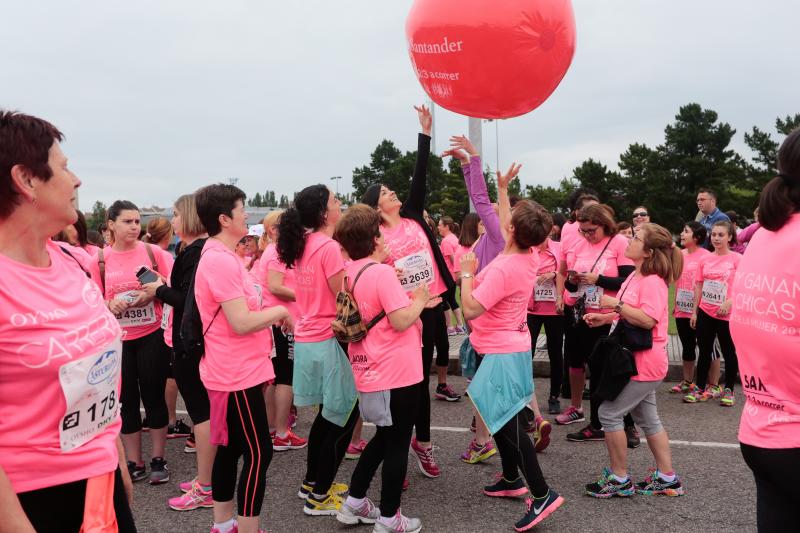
(59, 509)
(390, 447)
(708, 328)
(777, 499)
(327, 444)
(186, 370)
(145, 366)
(283, 362)
(554, 330)
(248, 437)
(518, 454)
(434, 333)
(688, 337)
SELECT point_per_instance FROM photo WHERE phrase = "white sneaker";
(366, 514)
(398, 524)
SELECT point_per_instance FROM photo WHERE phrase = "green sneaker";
(715, 390)
(693, 396)
(684, 387)
(728, 399)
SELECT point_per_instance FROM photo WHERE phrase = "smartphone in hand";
(145, 275)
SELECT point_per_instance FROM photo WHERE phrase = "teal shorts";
(502, 387)
(323, 376)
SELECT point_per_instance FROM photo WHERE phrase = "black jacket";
(414, 206)
(612, 365)
(175, 294)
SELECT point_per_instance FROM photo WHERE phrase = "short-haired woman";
(387, 366)
(642, 303)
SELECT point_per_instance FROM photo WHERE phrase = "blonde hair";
(272, 219)
(158, 230)
(190, 221)
(666, 259)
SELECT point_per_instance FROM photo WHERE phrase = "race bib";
(714, 292)
(593, 295)
(165, 316)
(135, 316)
(545, 291)
(417, 270)
(90, 389)
(684, 301)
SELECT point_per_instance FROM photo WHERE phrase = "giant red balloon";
(490, 59)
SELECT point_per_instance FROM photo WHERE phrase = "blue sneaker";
(607, 486)
(537, 509)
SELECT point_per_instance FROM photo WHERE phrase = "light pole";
(336, 179)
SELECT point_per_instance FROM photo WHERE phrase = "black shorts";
(283, 362)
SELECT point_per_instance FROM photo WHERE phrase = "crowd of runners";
(342, 311)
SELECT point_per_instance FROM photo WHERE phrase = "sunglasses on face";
(640, 214)
(589, 231)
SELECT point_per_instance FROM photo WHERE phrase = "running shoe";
(159, 473)
(607, 486)
(694, 396)
(477, 453)
(289, 442)
(716, 391)
(728, 399)
(452, 332)
(541, 439)
(427, 464)
(179, 430)
(195, 498)
(503, 488)
(632, 437)
(354, 450)
(538, 509)
(234, 529)
(366, 514)
(653, 485)
(137, 472)
(340, 489)
(445, 392)
(570, 416)
(399, 523)
(553, 406)
(329, 505)
(191, 445)
(186, 486)
(684, 387)
(587, 434)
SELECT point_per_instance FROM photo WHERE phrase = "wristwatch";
(618, 308)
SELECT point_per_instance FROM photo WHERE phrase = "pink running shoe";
(570, 416)
(196, 498)
(354, 450)
(427, 464)
(235, 529)
(186, 486)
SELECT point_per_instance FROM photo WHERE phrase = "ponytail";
(308, 211)
(666, 259)
(781, 197)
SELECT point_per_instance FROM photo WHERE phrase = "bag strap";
(153, 257)
(377, 318)
(601, 254)
(101, 262)
(76, 260)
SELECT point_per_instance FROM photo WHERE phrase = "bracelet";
(465, 276)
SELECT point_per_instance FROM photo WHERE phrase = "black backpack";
(192, 334)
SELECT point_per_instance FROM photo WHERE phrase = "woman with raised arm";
(414, 251)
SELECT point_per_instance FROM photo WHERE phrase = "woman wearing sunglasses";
(640, 216)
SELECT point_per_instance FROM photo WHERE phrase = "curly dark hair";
(781, 196)
(306, 212)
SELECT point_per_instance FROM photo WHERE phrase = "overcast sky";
(157, 98)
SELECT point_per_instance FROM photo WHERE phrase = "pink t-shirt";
(582, 256)
(385, 359)
(232, 362)
(650, 294)
(316, 304)
(715, 273)
(765, 326)
(449, 246)
(271, 261)
(543, 295)
(460, 251)
(684, 287)
(52, 319)
(121, 268)
(569, 236)
(409, 246)
(503, 289)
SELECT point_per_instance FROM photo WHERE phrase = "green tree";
(608, 184)
(284, 202)
(256, 201)
(551, 198)
(97, 217)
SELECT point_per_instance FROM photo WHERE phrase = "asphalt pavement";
(720, 493)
